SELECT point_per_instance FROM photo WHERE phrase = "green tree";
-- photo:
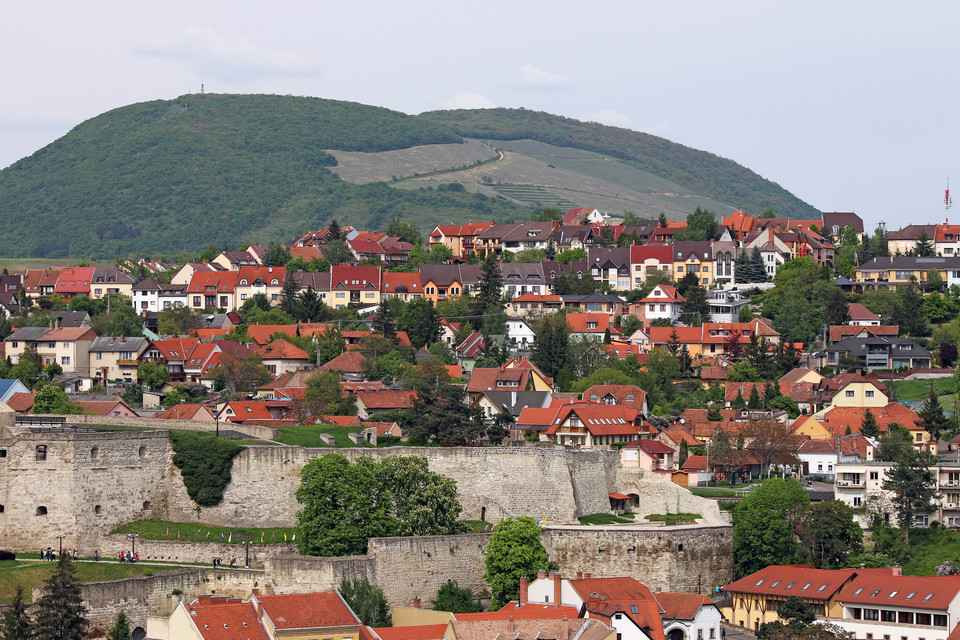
(762, 525)
(514, 550)
(696, 310)
(420, 321)
(442, 415)
(934, 280)
(572, 255)
(177, 321)
(701, 225)
(367, 601)
(908, 312)
(28, 369)
(153, 375)
(60, 612)
(405, 230)
(16, 622)
(322, 395)
(120, 629)
(205, 464)
(754, 402)
(932, 417)
(456, 599)
(277, 255)
(239, 373)
(828, 533)
(122, 321)
(913, 486)
(330, 344)
(837, 311)
(868, 425)
(923, 248)
(630, 219)
(757, 268)
(550, 352)
(52, 399)
(385, 322)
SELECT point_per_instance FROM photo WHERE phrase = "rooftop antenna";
(947, 201)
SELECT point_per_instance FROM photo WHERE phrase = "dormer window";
(243, 282)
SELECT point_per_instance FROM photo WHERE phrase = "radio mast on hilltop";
(947, 201)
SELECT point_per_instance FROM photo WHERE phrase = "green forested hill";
(701, 172)
(168, 176)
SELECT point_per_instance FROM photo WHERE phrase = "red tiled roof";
(227, 620)
(213, 282)
(695, 463)
(392, 282)
(914, 592)
(347, 362)
(261, 333)
(74, 280)
(839, 332)
(386, 399)
(413, 632)
(681, 606)
(600, 420)
(578, 323)
(670, 295)
(803, 581)
(21, 402)
(347, 277)
(308, 611)
(837, 420)
(282, 350)
(526, 611)
(625, 594)
(621, 392)
(185, 411)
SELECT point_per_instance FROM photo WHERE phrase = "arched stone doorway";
(138, 634)
(676, 634)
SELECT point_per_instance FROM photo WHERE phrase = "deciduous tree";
(762, 526)
(367, 601)
(514, 550)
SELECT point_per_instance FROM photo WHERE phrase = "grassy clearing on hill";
(606, 518)
(30, 574)
(308, 435)
(919, 390)
(188, 532)
(929, 548)
(673, 518)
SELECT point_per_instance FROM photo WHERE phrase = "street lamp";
(60, 537)
(246, 544)
(133, 543)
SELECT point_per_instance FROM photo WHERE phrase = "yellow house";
(307, 616)
(110, 280)
(853, 390)
(894, 271)
(809, 426)
(755, 599)
(693, 257)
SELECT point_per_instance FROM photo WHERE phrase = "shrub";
(205, 465)
(7, 555)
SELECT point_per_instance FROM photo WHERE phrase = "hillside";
(170, 176)
(697, 171)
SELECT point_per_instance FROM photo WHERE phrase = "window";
(51, 345)
(848, 394)
(65, 360)
(874, 475)
(856, 501)
(869, 394)
(341, 294)
(919, 437)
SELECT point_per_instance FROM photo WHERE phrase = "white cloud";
(229, 56)
(536, 78)
(610, 117)
(468, 100)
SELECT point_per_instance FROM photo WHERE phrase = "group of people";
(129, 557)
(217, 561)
(50, 554)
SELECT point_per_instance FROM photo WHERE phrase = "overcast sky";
(850, 105)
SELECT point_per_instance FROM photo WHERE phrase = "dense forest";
(701, 172)
(166, 176)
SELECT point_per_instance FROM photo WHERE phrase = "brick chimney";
(565, 629)
(897, 571)
(541, 575)
(579, 575)
(586, 576)
(524, 592)
(510, 624)
(556, 588)
(416, 602)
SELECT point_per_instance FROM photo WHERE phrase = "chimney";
(556, 588)
(586, 576)
(510, 624)
(122, 338)
(111, 339)
(897, 571)
(524, 593)
(416, 602)
(541, 575)
(565, 629)
(579, 575)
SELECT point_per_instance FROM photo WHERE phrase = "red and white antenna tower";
(947, 201)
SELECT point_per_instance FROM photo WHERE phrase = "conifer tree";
(868, 425)
(16, 623)
(120, 629)
(754, 402)
(758, 270)
(60, 610)
(934, 421)
(739, 402)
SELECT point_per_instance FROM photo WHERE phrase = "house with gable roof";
(115, 358)
(588, 426)
(281, 356)
(357, 286)
(694, 257)
(74, 281)
(648, 259)
(267, 281)
(212, 289)
(110, 280)
(663, 302)
(611, 265)
(583, 216)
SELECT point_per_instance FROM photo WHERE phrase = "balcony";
(128, 363)
(851, 484)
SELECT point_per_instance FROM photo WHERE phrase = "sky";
(849, 105)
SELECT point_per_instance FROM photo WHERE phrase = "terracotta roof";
(282, 350)
(681, 606)
(261, 333)
(627, 395)
(695, 463)
(526, 611)
(341, 421)
(678, 435)
(386, 399)
(627, 595)
(185, 411)
(213, 282)
(347, 277)
(600, 420)
(744, 388)
(349, 361)
(74, 280)
(578, 323)
(308, 610)
(837, 420)
(914, 592)
(70, 334)
(804, 581)
(21, 402)
(670, 294)
(795, 374)
(413, 632)
(840, 332)
(104, 407)
(227, 620)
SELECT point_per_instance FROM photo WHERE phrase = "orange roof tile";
(280, 349)
(227, 620)
(681, 606)
(799, 580)
(413, 632)
(308, 611)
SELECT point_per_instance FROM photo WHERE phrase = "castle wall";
(545, 482)
(87, 483)
(185, 550)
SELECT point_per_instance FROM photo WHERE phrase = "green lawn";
(307, 435)
(714, 493)
(604, 518)
(919, 390)
(30, 574)
(673, 518)
(478, 526)
(160, 530)
(929, 548)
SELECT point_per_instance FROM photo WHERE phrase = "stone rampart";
(254, 431)
(545, 482)
(200, 551)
